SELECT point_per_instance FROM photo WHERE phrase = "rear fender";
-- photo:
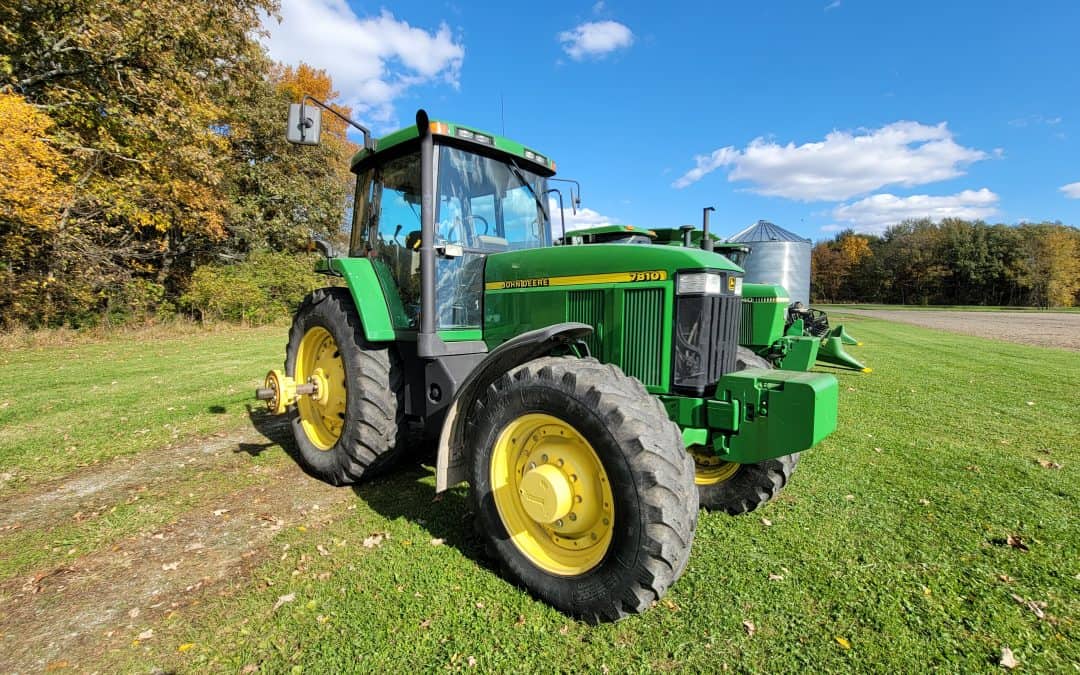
(368, 296)
(452, 466)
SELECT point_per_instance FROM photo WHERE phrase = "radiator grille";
(643, 334)
(706, 341)
(588, 307)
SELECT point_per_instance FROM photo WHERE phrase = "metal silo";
(777, 257)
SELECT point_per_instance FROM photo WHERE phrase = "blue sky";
(816, 114)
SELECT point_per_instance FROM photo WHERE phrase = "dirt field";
(1041, 329)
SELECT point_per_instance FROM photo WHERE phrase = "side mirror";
(305, 124)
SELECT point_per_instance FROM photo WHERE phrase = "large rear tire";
(740, 488)
(581, 487)
(354, 427)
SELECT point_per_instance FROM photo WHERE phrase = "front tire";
(354, 427)
(740, 488)
(581, 487)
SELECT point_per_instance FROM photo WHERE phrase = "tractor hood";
(596, 263)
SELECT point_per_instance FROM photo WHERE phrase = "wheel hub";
(546, 494)
(319, 363)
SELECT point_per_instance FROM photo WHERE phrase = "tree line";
(954, 262)
(143, 142)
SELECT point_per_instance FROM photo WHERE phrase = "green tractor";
(790, 337)
(591, 396)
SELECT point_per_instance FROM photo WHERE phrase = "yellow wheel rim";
(552, 494)
(710, 469)
(318, 361)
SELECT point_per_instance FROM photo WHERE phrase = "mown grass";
(942, 308)
(892, 538)
(893, 534)
(64, 406)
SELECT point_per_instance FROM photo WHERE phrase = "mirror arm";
(575, 200)
(369, 140)
(562, 213)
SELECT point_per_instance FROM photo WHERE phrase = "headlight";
(700, 283)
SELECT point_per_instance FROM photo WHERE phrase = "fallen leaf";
(426, 623)
(1007, 659)
(766, 522)
(184, 647)
(972, 467)
(472, 661)
(1031, 402)
(375, 539)
(1036, 606)
(749, 627)
(133, 613)
(776, 577)
(1006, 578)
(220, 512)
(145, 635)
(322, 550)
(249, 668)
(168, 567)
(564, 630)
(437, 541)
(284, 599)
(849, 497)
(843, 642)
(924, 502)
(877, 450)
(670, 604)
(1016, 541)
(1047, 464)
(520, 620)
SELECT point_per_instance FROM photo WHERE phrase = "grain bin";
(777, 257)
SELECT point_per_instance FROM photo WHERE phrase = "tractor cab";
(486, 198)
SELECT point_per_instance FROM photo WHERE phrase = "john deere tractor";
(587, 394)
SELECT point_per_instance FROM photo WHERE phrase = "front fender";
(452, 465)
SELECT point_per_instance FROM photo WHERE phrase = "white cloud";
(1035, 120)
(832, 5)
(843, 165)
(876, 213)
(1072, 190)
(372, 60)
(583, 218)
(595, 39)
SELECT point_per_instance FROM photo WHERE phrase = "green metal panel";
(642, 335)
(368, 296)
(781, 412)
(588, 307)
(764, 315)
(557, 261)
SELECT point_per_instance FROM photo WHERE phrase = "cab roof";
(468, 136)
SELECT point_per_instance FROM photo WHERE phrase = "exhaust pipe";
(706, 240)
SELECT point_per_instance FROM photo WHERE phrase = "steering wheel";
(482, 220)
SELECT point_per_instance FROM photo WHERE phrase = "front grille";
(643, 316)
(706, 341)
(588, 307)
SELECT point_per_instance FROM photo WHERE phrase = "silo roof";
(763, 230)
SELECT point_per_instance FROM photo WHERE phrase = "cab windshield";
(488, 205)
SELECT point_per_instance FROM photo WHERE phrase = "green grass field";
(942, 308)
(888, 551)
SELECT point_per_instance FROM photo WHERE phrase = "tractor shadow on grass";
(407, 492)
(275, 429)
